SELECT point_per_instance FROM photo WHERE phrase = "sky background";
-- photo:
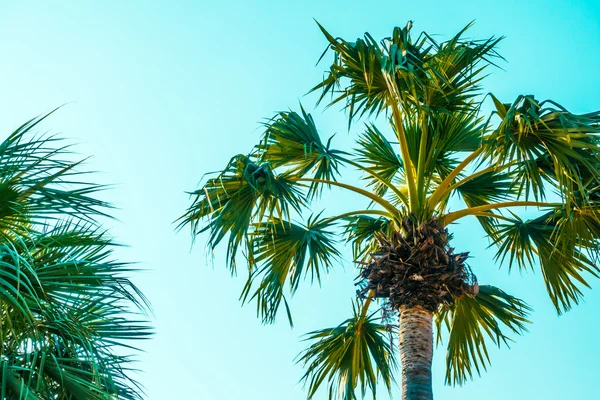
(161, 92)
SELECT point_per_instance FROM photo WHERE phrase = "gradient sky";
(161, 92)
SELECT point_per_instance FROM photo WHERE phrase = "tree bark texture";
(416, 351)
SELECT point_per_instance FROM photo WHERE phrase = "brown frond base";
(417, 267)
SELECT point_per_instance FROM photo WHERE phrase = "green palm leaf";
(470, 321)
(421, 73)
(532, 132)
(554, 242)
(38, 184)
(455, 71)
(75, 298)
(445, 137)
(360, 63)
(241, 194)
(292, 140)
(487, 188)
(353, 355)
(377, 154)
(361, 231)
(285, 252)
(66, 307)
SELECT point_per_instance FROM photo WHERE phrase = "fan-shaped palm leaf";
(469, 321)
(243, 192)
(292, 140)
(354, 354)
(553, 241)
(283, 251)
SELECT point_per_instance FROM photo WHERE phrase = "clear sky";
(161, 92)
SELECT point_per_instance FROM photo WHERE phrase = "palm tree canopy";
(439, 146)
(68, 311)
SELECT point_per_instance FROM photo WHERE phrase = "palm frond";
(361, 231)
(243, 193)
(446, 135)
(353, 355)
(549, 143)
(422, 73)
(360, 63)
(455, 70)
(292, 140)
(556, 241)
(40, 183)
(469, 321)
(66, 307)
(488, 188)
(284, 252)
(377, 154)
(78, 308)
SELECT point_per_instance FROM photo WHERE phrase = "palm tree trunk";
(416, 351)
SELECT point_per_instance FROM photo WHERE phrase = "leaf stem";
(408, 164)
(361, 212)
(421, 188)
(377, 199)
(442, 189)
(453, 216)
(375, 175)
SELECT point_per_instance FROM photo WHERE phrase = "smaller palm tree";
(454, 162)
(67, 309)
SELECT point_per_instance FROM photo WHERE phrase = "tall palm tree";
(454, 162)
(67, 310)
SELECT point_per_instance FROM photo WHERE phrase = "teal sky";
(161, 92)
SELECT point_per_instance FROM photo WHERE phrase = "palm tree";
(66, 306)
(455, 161)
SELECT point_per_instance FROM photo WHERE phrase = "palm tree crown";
(526, 153)
(67, 308)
